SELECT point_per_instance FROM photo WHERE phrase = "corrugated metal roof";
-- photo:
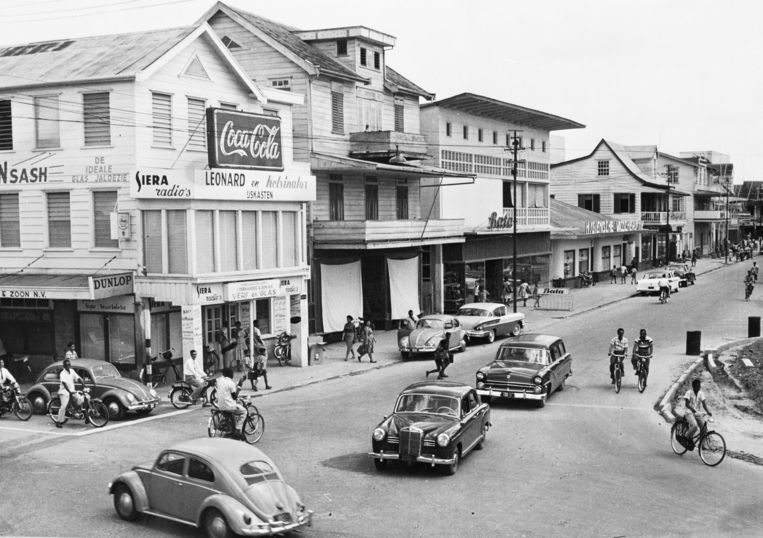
(399, 82)
(86, 58)
(488, 107)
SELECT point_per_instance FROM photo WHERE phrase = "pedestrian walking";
(442, 357)
(222, 338)
(482, 294)
(524, 292)
(368, 342)
(71, 353)
(623, 273)
(536, 295)
(348, 335)
(754, 271)
(613, 275)
(693, 258)
(237, 336)
(507, 290)
(633, 275)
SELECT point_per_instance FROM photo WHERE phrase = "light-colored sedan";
(650, 283)
(428, 333)
(489, 320)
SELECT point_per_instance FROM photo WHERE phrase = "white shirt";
(694, 399)
(71, 355)
(226, 387)
(5, 375)
(67, 381)
(663, 283)
(191, 367)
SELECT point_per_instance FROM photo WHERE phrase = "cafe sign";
(612, 226)
(243, 140)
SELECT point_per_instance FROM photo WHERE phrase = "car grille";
(284, 517)
(393, 440)
(410, 443)
(502, 385)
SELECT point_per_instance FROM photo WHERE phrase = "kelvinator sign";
(612, 226)
(243, 140)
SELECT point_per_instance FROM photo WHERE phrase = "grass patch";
(751, 378)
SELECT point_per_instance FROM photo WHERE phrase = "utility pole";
(514, 148)
(726, 240)
(667, 227)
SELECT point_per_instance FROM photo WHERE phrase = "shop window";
(97, 118)
(165, 331)
(205, 242)
(606, 264)
(6, 125)
(591, 202)
(10, 226)
(583, 260)
(372, 198)
(336, 198)
(161, 108)
(289, 236)
(46, 122)
(228, 238)
(59, 220)
(625, 203)
(269, 240)
(104, 203)
(401, 200)
(569, 263)
(249, 232)
(474, 276)
(262, 312)
(108, 335)
(197, 124)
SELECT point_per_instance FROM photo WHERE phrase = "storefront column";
(192, 333)
(141, 355)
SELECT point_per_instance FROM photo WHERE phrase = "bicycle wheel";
(180, 397)
(712, 448)
(642, 380)
(253, 428)
(22, 408)
(215, 426)
(98, 414)
(618, 380)
(53, 406)
(213, 397)
(679, 428)
(280, 354)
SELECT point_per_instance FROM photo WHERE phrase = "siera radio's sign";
(243, 140)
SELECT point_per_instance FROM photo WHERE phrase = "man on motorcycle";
(194, 376)
(65, 391)
(227, 392)
(618, 347)
(664, 285)
(749, 285)
(7, 382)
(642, 347)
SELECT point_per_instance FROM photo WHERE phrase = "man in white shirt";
(664, 285)
(194, 375)
(6, 381)
(67, 377)
(692, 400)
(71, 353)
(226, 398)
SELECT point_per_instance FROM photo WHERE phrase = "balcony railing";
(356, 233)
(376, 143)
(712, 214)
(526, 216)
(661, 217)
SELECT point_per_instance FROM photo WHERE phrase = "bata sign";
(243, 140)
(612, 226)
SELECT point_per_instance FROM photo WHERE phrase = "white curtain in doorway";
(341, 294)
(403, 287)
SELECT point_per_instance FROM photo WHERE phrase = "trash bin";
(693, 342)
(753, 326)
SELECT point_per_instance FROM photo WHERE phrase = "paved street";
(592, 463)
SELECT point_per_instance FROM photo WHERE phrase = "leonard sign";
(243, 140)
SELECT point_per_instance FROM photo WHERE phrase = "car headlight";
(379, 434)
(443, 439)
(130, 397)
(480, 376)
(405, 341)
(478, 327)
(152, 392)
(537, 380)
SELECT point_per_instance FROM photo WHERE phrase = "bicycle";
(712, 445)
(619, 371)
(223, 423)
(642, 370)
(664, 296)
(282, 349)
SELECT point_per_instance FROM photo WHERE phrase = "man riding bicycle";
(643, 348)
(664, 287)
(693, 397)
(618, 347)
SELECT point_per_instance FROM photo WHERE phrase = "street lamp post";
(726, 239)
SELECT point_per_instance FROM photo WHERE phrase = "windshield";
(429, 323)
(473, 312)
(523, 354)
(258, 471)
(105, 369)
(427, 403)
(655, 275)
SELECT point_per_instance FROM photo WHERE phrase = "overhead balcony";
(660, 218)
(713, 215)
(378, 234)
(386, 144)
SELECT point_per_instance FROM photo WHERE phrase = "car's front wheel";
(491, 337)
(451, 468)
(215, 525)
(124, 503)
(116, 409)
(516, 329)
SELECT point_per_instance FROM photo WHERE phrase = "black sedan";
(120, 394)
(436, 423)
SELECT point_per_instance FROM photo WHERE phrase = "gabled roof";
(284, 39)
(397, 83)
(487, 107)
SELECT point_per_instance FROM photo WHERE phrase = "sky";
(684, 75)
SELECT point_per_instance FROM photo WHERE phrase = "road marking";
(592, 406)
(134, 422)
(25, 430)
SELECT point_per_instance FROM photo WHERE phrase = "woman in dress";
(368, 341)
(348, 335)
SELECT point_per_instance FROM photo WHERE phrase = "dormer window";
(363, 56)
(229, 43)
(341, 47)
(281, 84)
(377, 60)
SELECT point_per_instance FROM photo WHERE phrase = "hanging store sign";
(110, 285)
(116, 305)
(249, 185)
(209, 293)
(502, 222)
(243, 140)
(612, 226)
(161, 184)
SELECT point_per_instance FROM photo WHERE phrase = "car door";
(165, 486)
(201, 483)
(84, 373)
(469, 430)
(454, 328)
(565, 362)
(502, 323)
(51, 379)
(554, 356)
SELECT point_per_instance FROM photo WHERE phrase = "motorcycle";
(91, 410)
(282, 349)
(223, 423)
(158, 376)
(180, 394)
(12, 401)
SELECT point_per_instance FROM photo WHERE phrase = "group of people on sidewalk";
(363, 332)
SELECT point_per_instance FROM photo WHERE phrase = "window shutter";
(162, 116)
(205, 242)
(176, 241)
(46, 119)
(152, 241)
(337, 113)
(59, 220)
(197, 124)
(596, 202)
(97, 117)
(399, 115)
(104, 203)
(6, 126)
(10, 227)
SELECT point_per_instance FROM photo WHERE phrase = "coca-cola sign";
(243, 140)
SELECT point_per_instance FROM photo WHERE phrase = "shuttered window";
(399, 115)
(152, 241)
(59, 220)
(162, 116)
(104, 203)
(401, 200)
(337, 113)
(177, 245)
(10, 227)
(197, 125)
(372, 199)
(97, 118)
(205, 242)
(46, 122)
(289, 238)
(336, 200)
(6, 125)
(228, 240)
(249, 232)
(269, 240)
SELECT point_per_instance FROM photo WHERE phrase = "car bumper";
(142, 406)
(421, 458)
(511, 394)
(271, 529)
(409, 349)
(477, 334)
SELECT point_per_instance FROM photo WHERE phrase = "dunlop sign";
(110, 285)
(612, 226)
(243, 140)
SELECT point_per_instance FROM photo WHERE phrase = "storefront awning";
(323, 162)
(71, 287)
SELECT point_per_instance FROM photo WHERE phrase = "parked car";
(529, 367)
(650, 283)
(684, 273)
(429, 331)
(223, 486)
(489, 320)
(120, 394)
(434, 422)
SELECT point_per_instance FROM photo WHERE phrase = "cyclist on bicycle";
(664, 287)
(618, 347)
(693, 397)
(642, 347)
(227, 393)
